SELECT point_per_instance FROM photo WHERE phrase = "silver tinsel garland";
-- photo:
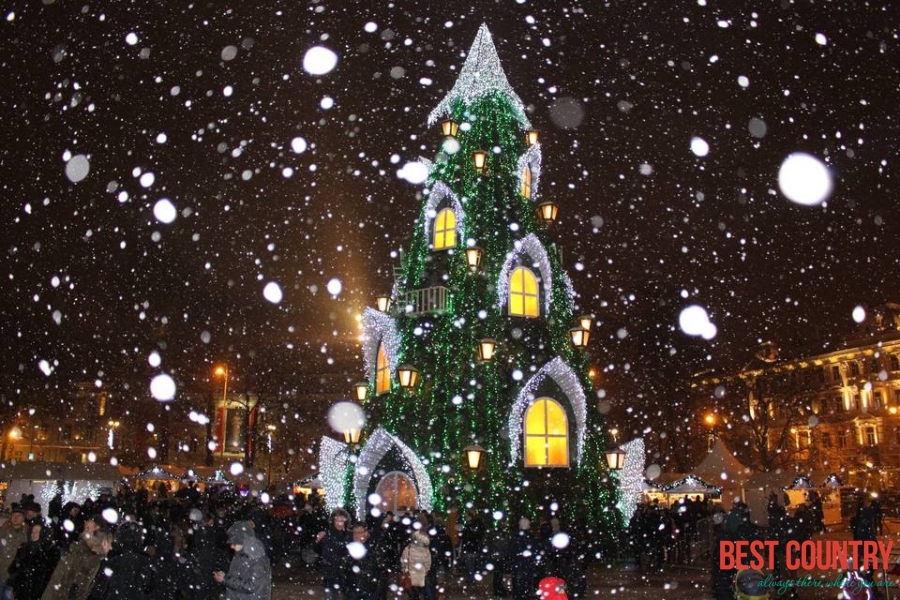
(379, 327)
(568, 382)
(379, 444)
(481, 73)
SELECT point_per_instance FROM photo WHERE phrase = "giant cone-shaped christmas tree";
(530, 407)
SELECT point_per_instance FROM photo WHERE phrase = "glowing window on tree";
(526, 182)
(445, 230)
(523, 293)
(382, 372)
(546, 434)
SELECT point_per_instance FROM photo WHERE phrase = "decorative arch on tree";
(570, 385)
(442, 197)
(377, 446)
(530, 162)
(527, 252)
(379, 329)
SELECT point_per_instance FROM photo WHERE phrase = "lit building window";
(382, 371)
(444, 230)
(871, 439)
(526, 182)
(523, 293)
(895, 363)
(546, 435)
(826, 440)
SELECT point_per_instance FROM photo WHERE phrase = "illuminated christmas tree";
(478, 353)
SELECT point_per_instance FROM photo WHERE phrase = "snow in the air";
(334, 286)
(272, 292)
(165, 211)
(699, 146)
(319, 60)
(162, 387)
(77, 168)
(804, 179)
(694, 320)
(413, 172)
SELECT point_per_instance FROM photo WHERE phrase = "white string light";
(532, 160)
(631, 477)
(379, 327)
(568, 382)
(481, 74)
(379, 444)
(439, 192)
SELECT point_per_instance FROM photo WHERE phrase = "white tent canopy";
(722, 467)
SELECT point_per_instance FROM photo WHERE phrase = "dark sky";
(94, 282)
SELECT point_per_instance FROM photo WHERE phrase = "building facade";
(834, 410)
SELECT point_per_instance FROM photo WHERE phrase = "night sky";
(209, 96)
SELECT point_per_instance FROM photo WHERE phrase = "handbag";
(405, 581)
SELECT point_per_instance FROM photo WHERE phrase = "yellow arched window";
(523, 293)
(546, 434)
(382, 371)
(526, 182)
(444, 230)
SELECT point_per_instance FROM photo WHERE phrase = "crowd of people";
(131, 548)
(139, 546)
(367, 560)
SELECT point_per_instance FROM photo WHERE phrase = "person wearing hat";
(250, 574)
(13, 534)
(34, 562)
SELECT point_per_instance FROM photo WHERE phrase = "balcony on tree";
(425, 300)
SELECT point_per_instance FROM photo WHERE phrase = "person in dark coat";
(34, 562)
(250, 575)
(522, 558)
(472, 546)
(331, 546)
(125, 572)
(169, 575)
(75, 571)
(363, 571)
(205, 556)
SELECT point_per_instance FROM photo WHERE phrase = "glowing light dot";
(859, 314)
(236, 468)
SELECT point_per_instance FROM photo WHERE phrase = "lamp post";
(220, 371)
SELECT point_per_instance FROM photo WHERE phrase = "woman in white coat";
(416, 560)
